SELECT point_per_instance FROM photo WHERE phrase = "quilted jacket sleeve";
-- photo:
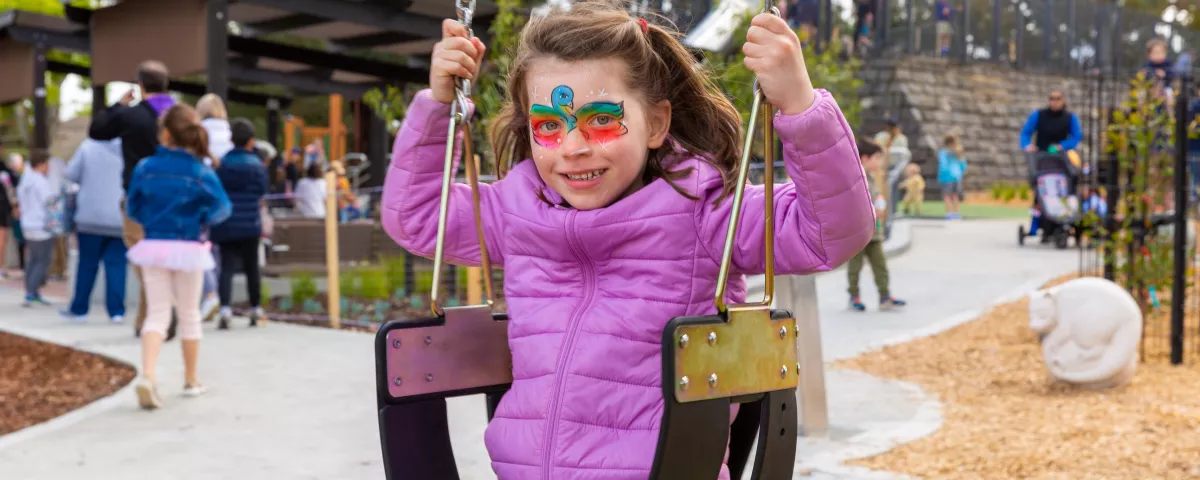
(822, 218)
(413, 186)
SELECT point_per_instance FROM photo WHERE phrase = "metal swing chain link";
(760, 103)
(460, 121)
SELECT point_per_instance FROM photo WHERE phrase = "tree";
(826, 68)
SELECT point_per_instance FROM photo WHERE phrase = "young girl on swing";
(613, 218)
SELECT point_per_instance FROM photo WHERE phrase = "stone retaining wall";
(984, 104)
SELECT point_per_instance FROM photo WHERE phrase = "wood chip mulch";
(40, 381)
(1005, 418)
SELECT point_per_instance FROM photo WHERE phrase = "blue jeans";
(94, 249)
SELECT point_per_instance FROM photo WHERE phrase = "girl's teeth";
(586, 176)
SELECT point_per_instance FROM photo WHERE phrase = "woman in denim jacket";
(175, 198)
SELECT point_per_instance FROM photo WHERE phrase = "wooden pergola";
(235, 44)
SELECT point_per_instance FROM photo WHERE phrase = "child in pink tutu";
(175, 198)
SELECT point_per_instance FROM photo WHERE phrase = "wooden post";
(798, 293)
(337, 129)
(474, 286)
(475, 274)
(332, 282)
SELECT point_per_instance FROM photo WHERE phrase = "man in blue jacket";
(244, 177)
(1056, 129)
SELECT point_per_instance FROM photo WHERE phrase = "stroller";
(1056, 209)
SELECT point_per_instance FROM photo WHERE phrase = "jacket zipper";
(564, 355)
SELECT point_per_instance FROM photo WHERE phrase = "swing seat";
(422, 362)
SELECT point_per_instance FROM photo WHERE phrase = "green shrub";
(393, 266)
(1009, 194)
(304, 287)
(998, 190)
(423, 281)
(265, 291)
(375, 284)
(1024, 192)
(350, 283)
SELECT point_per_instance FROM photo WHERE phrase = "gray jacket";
(97, 167)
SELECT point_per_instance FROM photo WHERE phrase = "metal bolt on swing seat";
(712, 380)
(683, 341)
(783, 372)
(428, 340)
(429, 376)
(712, 338)
(396, 343)
(398, 381)
(683, 383)
(782, 332)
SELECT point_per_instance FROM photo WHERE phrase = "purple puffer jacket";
(589, 292)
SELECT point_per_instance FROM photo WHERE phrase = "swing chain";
(466, 13)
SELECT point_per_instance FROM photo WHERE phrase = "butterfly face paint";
(600, 122)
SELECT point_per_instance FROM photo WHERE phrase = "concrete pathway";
(952, 274)
(297, 402)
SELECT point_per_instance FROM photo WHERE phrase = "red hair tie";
(645, 26)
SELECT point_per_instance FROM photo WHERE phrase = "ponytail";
(185, 129)
(197, 141)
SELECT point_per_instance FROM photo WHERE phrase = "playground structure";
(333, 136)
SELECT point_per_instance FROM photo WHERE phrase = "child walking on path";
(613, 218)
(38, 203)
(175, 198)
(244, 178)
(872, 155)
(952, 165)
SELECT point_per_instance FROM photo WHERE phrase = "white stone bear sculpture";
(1090, 331)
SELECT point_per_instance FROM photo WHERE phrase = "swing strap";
(460, 122)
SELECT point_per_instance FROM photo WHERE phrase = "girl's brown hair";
(184, 128)
(659, 67)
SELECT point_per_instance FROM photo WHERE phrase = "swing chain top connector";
(460, 123)
(760, 103)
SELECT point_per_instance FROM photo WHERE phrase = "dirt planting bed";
(1004, 417)
(357, 314)
(40, 381)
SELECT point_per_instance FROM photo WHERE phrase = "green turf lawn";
(938, 210)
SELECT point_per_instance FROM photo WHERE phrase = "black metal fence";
(1046, 35)
(1137, 198)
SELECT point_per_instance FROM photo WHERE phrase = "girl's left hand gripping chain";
(773, 53)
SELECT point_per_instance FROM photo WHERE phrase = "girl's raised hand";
(773, 53)
(455, 56)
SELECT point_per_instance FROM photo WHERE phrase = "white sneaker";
(194, 390)
(147, 394)
(208, 308)
(117, 319)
